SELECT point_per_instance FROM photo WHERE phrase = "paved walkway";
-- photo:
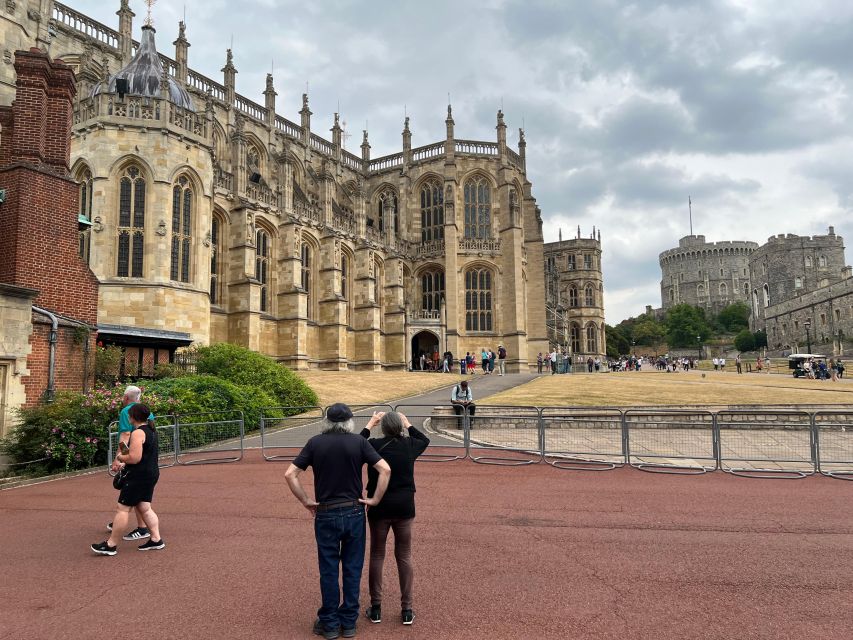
(297, 431)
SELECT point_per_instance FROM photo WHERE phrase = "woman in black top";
(397, 509)
(143, 471)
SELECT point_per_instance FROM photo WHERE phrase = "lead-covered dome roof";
(144, 75)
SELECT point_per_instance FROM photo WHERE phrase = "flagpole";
(690, 208)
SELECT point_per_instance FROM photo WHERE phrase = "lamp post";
(699, 343)
(808, 325)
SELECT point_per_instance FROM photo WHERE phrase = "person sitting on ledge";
(462, 398)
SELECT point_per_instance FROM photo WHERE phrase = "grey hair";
(392, 425)
(327, 426)
(133, 393)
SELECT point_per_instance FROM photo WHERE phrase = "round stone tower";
(709, 275)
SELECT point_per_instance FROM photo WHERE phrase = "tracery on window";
(84, 236)
(216, 254)
(432, 290)
(432, 211)
(478, 300)
(478, 208)
(263, 250)
(131, 223)
(182, 202)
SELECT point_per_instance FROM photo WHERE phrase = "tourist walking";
(539, 363)
(336, 456)
(484, 360)
(400, 445)
(738, 365)
(501, 360)
(141, 463)
(554, 361)
(132, 395)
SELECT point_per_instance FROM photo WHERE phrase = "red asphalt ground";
(500, 553)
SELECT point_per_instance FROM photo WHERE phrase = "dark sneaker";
(103, 549)
(374, 613)
(328, 634)
(110, 527)
(137, 534)
(408, 616)
(148, 546)
(348, 633)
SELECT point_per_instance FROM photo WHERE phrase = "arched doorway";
(426, 343)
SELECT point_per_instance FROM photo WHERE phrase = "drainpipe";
(51, 366)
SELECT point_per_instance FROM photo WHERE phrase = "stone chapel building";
(214, 218)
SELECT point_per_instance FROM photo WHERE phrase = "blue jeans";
(340, 535)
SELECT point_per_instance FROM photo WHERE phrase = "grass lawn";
(660, 388)
(370, 387)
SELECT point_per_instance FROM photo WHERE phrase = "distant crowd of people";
(486, 359)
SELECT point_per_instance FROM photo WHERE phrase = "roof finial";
(148, 20)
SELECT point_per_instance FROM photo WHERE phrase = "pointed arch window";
(432, 290)
(216, 253)
(724, 289)
(131, 223)
(575, 334)
(263, 251)
(478, 208)
(85, 210)
(591, 338)
(589, 296)
(307, 281)
(432, 212)
(766, 291)
(253, 164)
(182, 204)
(346, 274)
(478, 300)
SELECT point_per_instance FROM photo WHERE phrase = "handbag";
(120, 478)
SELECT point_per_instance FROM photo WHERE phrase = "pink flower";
(88, 439)
(70, 445)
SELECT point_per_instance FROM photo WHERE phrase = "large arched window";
(432, 211)
(217, 227)
(575, 335)
(388, 200)
(589, 296)
(131, 223)
(573, 296)
(307, 280)
(182, 204)
(766, 290)
(478, 300)
(253, 164)
(591, 338)
(263, 251)
(85, 210)
(432, 290)
(724, 290)
(808, 262)
(478, 208)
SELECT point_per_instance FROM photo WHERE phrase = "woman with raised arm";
(400, 445)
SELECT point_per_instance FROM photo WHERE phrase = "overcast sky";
(628, 107)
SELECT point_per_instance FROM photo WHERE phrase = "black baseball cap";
(338, 412)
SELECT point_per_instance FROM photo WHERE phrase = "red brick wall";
(38, 225)
(72, 370)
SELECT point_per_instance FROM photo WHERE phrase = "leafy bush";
(745, 340)
(257, 372)
(209, 398)
(169, 370)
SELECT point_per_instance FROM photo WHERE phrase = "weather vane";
(148, 21)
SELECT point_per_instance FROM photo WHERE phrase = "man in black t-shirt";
(337, 455)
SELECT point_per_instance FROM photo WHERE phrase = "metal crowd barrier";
(583, 438)
(283, 434)
(211, 437)
(445, 430)
(508, 436)
(777, 444)
(833, 432)
(670, 441)
(166, 439)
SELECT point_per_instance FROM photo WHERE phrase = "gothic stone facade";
(224, 221)
(575, 295)
(709, 275)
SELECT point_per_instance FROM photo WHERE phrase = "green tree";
(617, 343)
(760, 338)
(650, 333)
(734, 317)
(684, 323)
(745, 341)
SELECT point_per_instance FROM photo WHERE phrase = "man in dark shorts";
(336, 456)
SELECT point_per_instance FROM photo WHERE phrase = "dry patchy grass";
(371, 387)
(660, 388)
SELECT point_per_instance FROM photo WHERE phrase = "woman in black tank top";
(143, 471)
